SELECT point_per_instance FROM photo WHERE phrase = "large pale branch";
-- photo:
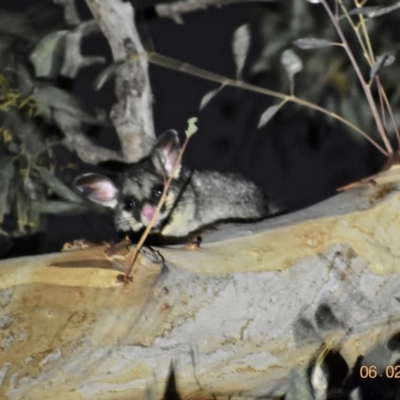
(74, 60)
(132, 115)
(239, 314)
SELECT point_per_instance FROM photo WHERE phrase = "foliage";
(27, 161)
(328, 77)
(29, 125)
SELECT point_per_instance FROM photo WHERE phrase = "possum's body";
(195, 199)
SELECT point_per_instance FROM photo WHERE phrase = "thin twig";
(170, 63)
(368, 53)
(389, 108)
(364, 85)
(126, 278)
(370, 57)
(382, 106)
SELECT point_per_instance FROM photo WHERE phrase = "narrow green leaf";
(312, 43)
(192, 128)
(374, 11)
(383, 60)
(292, 64)
(268, 114)
(240, 47)
(47, 54)
(57, 186)
(208, 96)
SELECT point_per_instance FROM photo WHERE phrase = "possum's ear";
(97, 188)
(165, 153)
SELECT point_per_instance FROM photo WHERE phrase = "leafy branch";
(365, 86)
(170, 63)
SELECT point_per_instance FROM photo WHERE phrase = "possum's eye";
(129, 203)
(157, 190)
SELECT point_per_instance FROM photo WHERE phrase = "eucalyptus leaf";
(383, 60)
(192, 128)
(374, 11)
(55, 98)
(6, 175)
(240, 47)
(292, 63)
(57, 186)
(312, 43)
(46, 57)
(268, 114)
(107, 74)
(208, 96)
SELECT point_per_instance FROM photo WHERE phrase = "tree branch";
(132, 115)
(235, 316)
(74, 60)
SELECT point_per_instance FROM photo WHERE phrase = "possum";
(195, 199)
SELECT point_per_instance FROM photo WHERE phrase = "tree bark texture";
(132, 115)
(233, 318)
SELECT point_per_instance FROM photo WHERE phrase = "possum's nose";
(147, 213)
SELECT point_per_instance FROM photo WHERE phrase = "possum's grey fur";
(195, 199)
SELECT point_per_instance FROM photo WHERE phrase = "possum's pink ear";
(165, 153)
(97, 188)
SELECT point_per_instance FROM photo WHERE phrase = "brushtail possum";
(194, 200)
